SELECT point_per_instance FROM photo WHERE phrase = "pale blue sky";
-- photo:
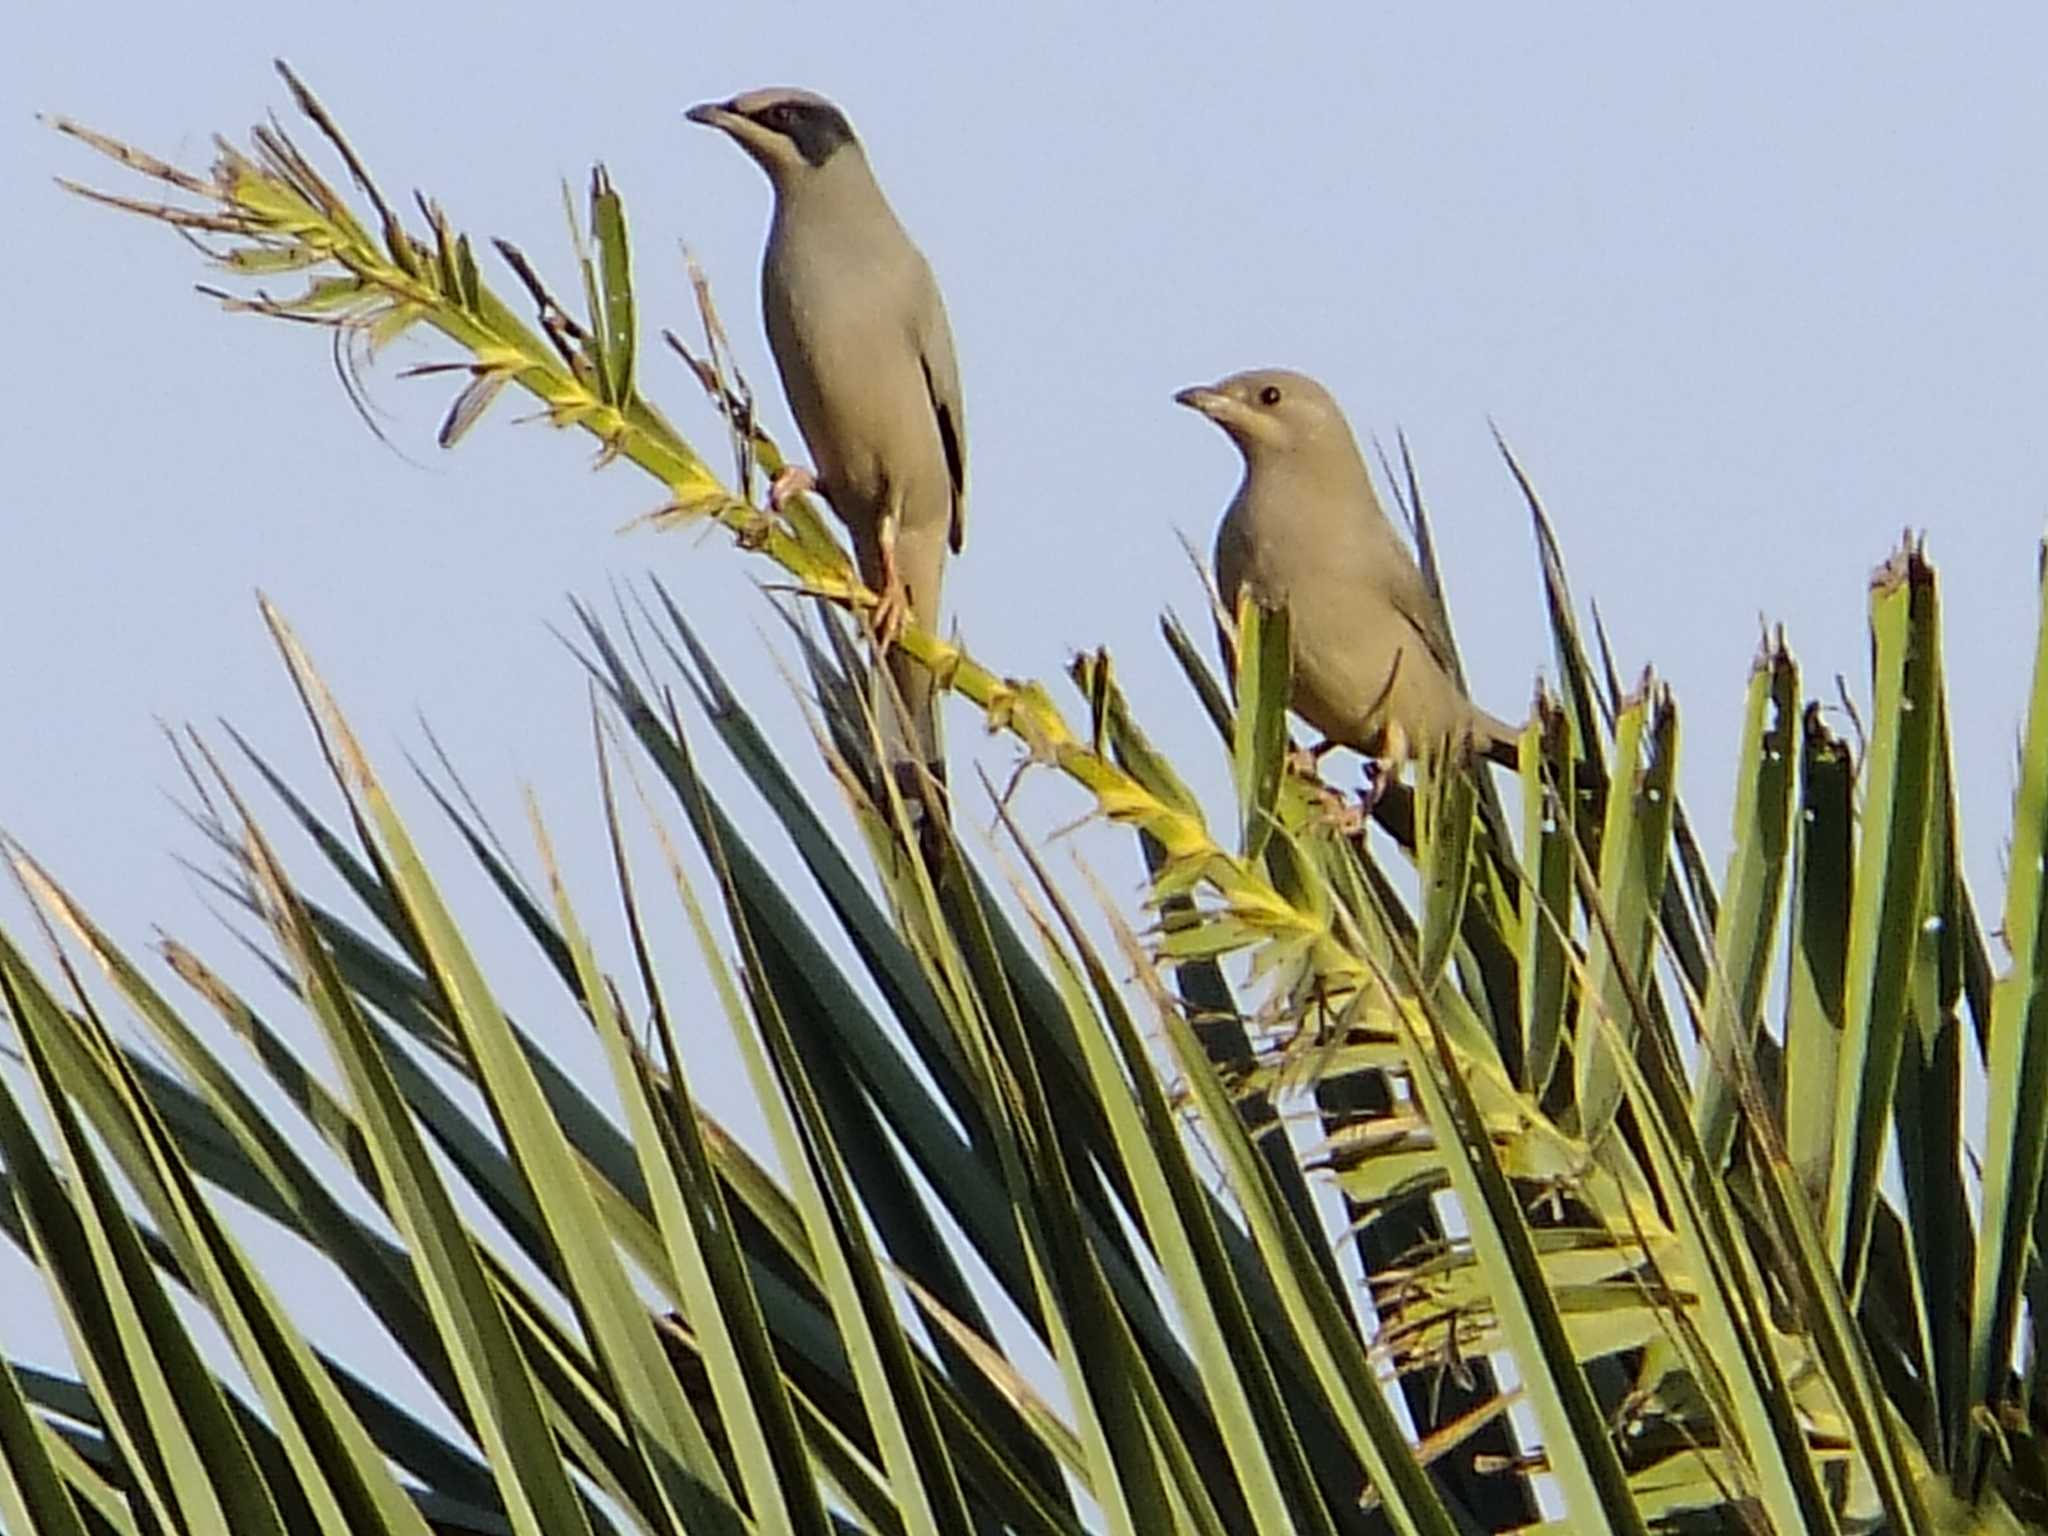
(1749, 289)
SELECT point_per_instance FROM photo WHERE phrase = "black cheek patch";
(817, 131)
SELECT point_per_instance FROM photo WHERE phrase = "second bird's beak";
(1212, 403)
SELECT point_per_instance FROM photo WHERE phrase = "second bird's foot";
(791, 480)
(1307, 761)
(1342, 813)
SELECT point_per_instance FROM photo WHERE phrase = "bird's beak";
(713, 114)
(1212, 403)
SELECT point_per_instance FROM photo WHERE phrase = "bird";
(1372, 666)
(861, 341)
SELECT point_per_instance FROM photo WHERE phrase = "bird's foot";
(1308, 761)
(891, 612)
(892, 594)
(1341, 813)
(790, 481)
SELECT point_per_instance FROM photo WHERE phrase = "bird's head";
(788, 132)
(1268, 410)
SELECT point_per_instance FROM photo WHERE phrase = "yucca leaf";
(1822, 882)
(1724, 1334)
(920, 1472)
(87, 1464)
(166, 1411)
(497, 1387)
(34, 1494)
(1632, 852)
(1885, 917)
(1850, 1379)
(334, 1469)
(1327, 1339)
(1576, 1442)
(759, 1424)
(1446, 802)
(1202, 988)
(1746, 935)
(614, 311)
(1242, 1388)
(1928, 1119)
(1215, 702)
(268, 1171)
(1258, 750)
(1548, 797)
(675, 1454)
(2015, 1073)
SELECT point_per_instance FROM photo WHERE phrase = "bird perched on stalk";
(1372, 663)
(860, 338)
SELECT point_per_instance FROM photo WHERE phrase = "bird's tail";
(910, 723)
(1498, 742)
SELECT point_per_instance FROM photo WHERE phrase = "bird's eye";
(1270, 395)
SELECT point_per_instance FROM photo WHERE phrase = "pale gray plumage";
(861, 340)
(1372, 653)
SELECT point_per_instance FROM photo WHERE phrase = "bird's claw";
(1343, 814)
(892, 610)
(1305, 761)
(790, 481)
(892, 595)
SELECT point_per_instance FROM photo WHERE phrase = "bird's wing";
(942, 383)
(1411, 598)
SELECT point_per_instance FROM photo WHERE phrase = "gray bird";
(866, 357)
(1373, 669)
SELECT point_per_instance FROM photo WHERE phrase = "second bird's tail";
(1498, 742)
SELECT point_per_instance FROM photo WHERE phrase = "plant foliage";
(1607, 1138)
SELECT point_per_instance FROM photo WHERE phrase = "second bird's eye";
(1270, 395)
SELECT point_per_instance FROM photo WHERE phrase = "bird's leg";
(791, 480)
(1379, 773)
(1340, 812)
(892, 604)
(1384, 767)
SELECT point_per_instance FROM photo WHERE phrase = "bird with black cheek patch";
(1372, 664)
(860, 338)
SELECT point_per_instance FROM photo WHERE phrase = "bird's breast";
(843, 343)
